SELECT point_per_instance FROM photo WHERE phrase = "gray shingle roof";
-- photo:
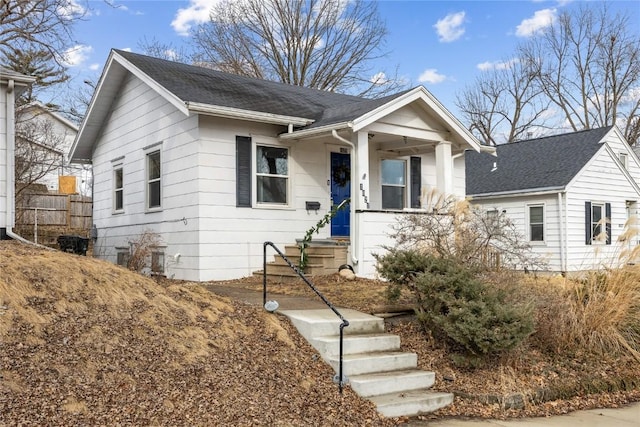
(196, 84)
(549, 162)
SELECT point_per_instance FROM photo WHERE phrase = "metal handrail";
(344, 323)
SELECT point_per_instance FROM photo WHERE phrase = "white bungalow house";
(573, 196)
(54, 134)
(217, 164)
(12, 84)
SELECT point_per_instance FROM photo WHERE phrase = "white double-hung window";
(394, 183)
(536, 223)
(272, 175)
(153, 180)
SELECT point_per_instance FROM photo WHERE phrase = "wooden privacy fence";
(70, 211)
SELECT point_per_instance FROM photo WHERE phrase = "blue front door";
(340, 190)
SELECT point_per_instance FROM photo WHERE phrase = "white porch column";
(360, 194)
(444, 168)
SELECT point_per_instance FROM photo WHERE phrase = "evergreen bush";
(455, 305)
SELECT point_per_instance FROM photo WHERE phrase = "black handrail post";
(264, 272)
(344, 323)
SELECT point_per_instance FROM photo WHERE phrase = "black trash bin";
(73, 244)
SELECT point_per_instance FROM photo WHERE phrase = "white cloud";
(379, 78)
(196, 13)
(450, 27)
(71, 9)
(431, 76)
(540, 20)
(127, 49)
(76, 55)
(95, 67)
(497, 65)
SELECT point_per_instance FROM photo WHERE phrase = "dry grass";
(605, 311)
(85, 342)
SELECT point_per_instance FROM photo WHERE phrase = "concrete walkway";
(628, 416)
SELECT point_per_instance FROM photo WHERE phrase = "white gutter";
(305, 133)
(255, 116)
(9, 169)
(563, 242)
(353, 224)
(540, 192)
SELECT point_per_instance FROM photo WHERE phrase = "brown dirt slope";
(84, 342)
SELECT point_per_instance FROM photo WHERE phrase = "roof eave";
(527, 192)
(254, 116)
(320, 130)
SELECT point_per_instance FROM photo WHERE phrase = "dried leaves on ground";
(84, 342)
(524, 383)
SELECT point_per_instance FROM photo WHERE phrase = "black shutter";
(416, 181)
(587, 222)
(607, 213)
(243, 171)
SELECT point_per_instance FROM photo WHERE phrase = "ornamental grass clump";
(605, 308)
(453, 304)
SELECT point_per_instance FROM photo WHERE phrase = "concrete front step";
(372, 362)
(411, 403)
(323, 322)
(367, 363)
(354, 344)
(375, 384)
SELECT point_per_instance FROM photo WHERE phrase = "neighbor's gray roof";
(202, 85)
(549, 162)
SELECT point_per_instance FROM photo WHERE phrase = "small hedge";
(455, 305)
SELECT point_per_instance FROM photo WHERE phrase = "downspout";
(10, 171)
(563, 243)
(353, 224)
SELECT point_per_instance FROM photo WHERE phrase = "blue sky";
(442, 45)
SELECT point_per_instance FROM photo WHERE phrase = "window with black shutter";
(597, 219)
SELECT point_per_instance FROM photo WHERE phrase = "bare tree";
(503, 104)
(588, 65)
(323, 44)
(38, 150)
(44, 25)
(168, 51)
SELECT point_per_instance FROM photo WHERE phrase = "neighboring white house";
(11, 86)
(39, 125)
(560, 190)
(217, 164)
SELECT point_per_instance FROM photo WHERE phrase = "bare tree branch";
(588, 65)
(323, 44)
